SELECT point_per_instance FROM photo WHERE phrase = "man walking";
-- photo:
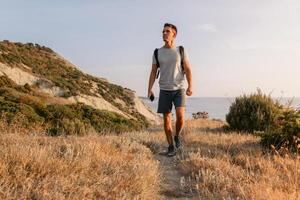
(172, 63)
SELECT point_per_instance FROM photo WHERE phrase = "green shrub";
(287, 135)
(75, 119)
(6, 82)
(69, 127)
(8, 106)
(11, 109)
(31, 116)
(103, 120)
(254, 112)
(79, 118)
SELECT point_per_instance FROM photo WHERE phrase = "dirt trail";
(173, 184)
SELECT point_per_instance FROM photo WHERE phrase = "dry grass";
(233, 166)
(213, 165)
(90, 167)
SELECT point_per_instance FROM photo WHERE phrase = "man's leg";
(179, 120)
(168, 127)
(179, 125)
(168, 131)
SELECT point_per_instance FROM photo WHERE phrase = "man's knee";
(167, 116)
(180, 120)
(180, 114)
(167, 120)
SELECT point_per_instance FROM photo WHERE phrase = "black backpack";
(181, 51)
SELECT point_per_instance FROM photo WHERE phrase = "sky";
(234, 46)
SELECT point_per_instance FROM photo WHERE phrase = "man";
(171, 83)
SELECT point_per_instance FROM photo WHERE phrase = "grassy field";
(234, 166)
(212, 165)
(89, 167)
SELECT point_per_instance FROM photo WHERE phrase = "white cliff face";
(146, 111)
(21, 77)
(97, 102)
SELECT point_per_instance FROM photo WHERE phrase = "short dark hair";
(171, 26)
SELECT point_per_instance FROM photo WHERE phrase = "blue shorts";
(168, 98)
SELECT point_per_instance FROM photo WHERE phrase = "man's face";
(169, 34)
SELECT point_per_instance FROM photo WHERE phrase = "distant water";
(217, 107)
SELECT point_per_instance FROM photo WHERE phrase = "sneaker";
(177, 142)
(171, 151)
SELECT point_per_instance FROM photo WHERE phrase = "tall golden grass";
(234, 166)
(89, 167)
(213, 165)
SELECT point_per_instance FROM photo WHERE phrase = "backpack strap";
(157, 62)
(181, 51)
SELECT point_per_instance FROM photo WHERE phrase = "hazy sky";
(234, 46)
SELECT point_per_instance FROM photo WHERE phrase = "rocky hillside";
(44, 88)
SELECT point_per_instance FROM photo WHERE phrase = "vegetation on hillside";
(45, 63)
(58, 119)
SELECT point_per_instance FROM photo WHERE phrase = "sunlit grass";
(234, 166)
(213, 165)
(89, 167)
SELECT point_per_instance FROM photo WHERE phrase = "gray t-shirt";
(171, 75)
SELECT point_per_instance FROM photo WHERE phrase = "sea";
(217, 107)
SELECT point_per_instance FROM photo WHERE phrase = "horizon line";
(225, 97)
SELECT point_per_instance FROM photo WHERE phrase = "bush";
(69, 127)
(6, 82)
(11, 109)
(287, 135)
(79, 118)
(255, 112)
(75, 119)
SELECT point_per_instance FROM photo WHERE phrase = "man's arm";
(188, 72)
(152, 79)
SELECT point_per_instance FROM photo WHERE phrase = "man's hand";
(189, 91)
(152, 80)
(150, 93)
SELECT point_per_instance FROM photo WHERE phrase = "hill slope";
(41, 85)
